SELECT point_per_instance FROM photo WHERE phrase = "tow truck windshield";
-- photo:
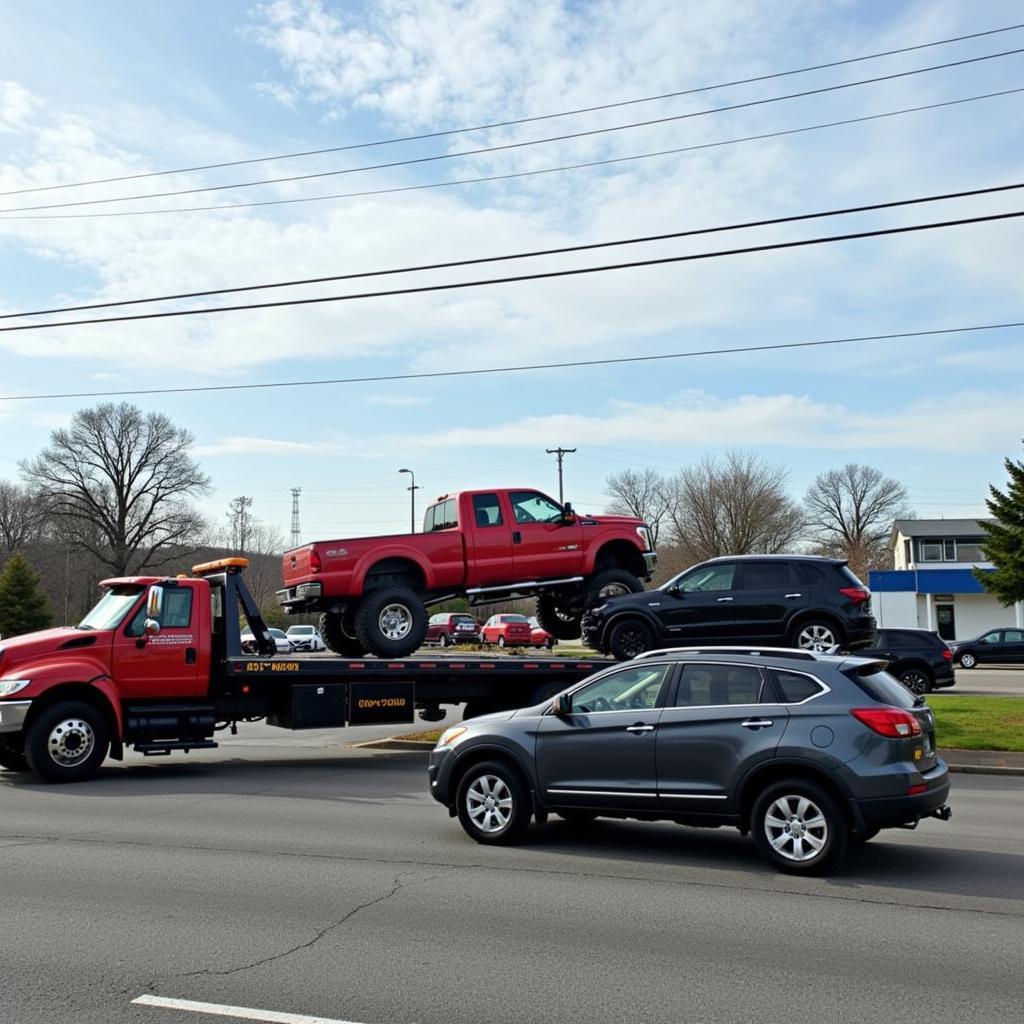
(111, 608)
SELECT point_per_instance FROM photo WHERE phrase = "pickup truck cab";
(493, 545)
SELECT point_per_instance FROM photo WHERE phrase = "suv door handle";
(721, 599)
(794, 595)
(756, 723)
(639, 728)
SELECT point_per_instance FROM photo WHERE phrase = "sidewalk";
(983, 762)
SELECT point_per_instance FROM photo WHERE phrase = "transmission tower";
(296, 531)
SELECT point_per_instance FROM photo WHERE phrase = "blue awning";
(926, 581)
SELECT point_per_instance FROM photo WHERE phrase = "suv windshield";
(111, 608)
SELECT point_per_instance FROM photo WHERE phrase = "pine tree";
(1004, 539)
(23, 606)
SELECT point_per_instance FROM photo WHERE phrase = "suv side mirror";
(674, 591)
(562, 705)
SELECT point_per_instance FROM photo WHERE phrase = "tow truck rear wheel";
(11, 759)
(67, 743)
(332, 632)
(391, 622)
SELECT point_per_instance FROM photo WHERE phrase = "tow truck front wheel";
(391, 622)
(67, 743)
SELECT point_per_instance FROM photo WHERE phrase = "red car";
(506, 631)
(447, 628)
(540, 637)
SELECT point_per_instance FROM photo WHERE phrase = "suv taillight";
(858, 595)
(314, 561)
(947, 654)
(890, 722)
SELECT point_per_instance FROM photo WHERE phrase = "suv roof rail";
(753, 651)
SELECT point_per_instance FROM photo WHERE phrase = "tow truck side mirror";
(154, 608)
(562, 705)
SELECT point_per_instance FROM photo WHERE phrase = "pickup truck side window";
(486, 510)
(533, 507)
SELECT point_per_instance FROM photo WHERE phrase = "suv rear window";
(794, 687)
(881, 687)
(764, 576)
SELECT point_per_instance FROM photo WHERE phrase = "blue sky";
(94, 90)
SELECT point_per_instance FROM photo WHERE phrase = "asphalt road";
(295, 875)
(1001, 681)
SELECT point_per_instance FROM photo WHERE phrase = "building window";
(931, 550)
(908, 555)
(967, 552)
(949, 550)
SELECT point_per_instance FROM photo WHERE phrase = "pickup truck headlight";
(8, 687)
(449, 736)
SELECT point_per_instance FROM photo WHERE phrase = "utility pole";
(561, 453)
(296, 531)
(412, 494)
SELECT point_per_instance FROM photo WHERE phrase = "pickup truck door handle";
(190, 655)
(721, 599)
(639, 728)
(756, 723)
(517, 537)
(794, 595)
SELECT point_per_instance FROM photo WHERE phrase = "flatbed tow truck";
(158, 666)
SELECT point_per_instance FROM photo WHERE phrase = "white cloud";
(264, 446)
(17, 105)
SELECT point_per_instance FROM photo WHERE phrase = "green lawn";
(978, 723)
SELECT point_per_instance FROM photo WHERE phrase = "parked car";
(918, 658)
(996, 646)
(540, 637)
(284, 645)
(798, 601)
(805, 751)
(447, 628)
(305, 638)
(506, 631)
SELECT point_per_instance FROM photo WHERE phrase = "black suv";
(785, 600)
(918, 658)
(805, 751)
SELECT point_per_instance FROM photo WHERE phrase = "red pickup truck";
(373, 592)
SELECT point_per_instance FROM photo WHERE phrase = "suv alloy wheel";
(493, 805)
(798, 827)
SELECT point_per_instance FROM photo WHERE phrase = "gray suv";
(806, 751)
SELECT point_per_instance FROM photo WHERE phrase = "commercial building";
(933, 585)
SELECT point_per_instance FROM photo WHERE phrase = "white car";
(305, 638)
(283, 644)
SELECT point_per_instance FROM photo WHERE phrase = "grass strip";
(978, 722)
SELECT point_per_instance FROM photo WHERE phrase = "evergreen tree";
(1004, 539)
(23, 606)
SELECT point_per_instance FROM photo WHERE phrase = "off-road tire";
(835, 835)
(57, 733)
(609, 583)
(409, 621)
(502, 783)
(335, 639)
(561, 620)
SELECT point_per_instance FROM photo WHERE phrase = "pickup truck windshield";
(111, 608)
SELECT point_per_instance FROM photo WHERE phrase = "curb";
(985, 769)
(394, 743)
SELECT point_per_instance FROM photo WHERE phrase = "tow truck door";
(166, 665)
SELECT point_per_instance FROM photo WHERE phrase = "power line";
(571, 364)
(516, 278)
(515, 145)
(517, 121)
(562, 250)
(515, 174)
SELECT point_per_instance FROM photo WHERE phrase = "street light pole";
(412, 489)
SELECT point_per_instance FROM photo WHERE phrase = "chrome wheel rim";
(489, 803)
(967, 661)
(796, 828)
(71, 742)
(816, 638)
(501, 641)
(395, 622)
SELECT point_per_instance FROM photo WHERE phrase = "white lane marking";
(242, 1012)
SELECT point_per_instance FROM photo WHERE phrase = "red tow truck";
(158, 665)
(373, 592)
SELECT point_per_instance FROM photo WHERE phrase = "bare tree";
(640, 493)
(734, 506)
(850, 512)
(121, 482)
(240, 522)
(21, 516)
